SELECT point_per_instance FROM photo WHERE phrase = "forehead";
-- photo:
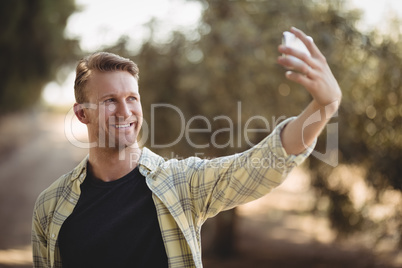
(108, 83)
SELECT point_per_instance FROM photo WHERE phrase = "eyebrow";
(107, 96)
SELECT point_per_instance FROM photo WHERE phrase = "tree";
(33, 48)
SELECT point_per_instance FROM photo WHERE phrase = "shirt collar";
(80, 170)
(149, 159)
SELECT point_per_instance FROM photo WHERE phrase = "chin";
(125, 143)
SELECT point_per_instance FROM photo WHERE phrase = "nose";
(123, 110)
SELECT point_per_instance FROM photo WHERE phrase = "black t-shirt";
(114, 224)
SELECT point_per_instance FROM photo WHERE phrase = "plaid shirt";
(185, 192)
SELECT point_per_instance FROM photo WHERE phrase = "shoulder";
(46, 203)
(48, 199)
(153, 161)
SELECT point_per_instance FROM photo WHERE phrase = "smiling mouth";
(124, 125)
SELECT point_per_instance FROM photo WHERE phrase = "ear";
(80, 112)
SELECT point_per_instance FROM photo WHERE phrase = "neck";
(109, 164)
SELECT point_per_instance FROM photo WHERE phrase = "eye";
(111, 100)
(132, 98)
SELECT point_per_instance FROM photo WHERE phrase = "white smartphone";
(290, 40)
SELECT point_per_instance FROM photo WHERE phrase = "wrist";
(330, 109)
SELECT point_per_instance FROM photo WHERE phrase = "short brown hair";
(103, 62)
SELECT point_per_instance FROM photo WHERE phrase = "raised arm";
(315, 75)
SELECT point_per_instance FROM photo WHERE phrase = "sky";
(375, 11)
(102, 22)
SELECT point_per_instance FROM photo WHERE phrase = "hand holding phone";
(290, 40)
(308, 67)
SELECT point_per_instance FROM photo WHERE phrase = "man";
(124, 206)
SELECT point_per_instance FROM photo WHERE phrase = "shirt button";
(53, 235)
(71, 200)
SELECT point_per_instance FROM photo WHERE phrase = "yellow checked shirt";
(186, 193)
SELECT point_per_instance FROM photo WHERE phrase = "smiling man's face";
(117, 119)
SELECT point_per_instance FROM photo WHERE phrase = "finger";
(291, 53)
(308, 41)
(294, 64)
(301, 79)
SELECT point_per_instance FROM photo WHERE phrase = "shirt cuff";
(280, 150)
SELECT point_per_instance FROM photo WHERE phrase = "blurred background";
(206, 58)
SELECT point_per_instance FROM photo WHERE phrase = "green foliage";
(33, 48)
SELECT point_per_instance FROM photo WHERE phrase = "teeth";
(122, 126)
